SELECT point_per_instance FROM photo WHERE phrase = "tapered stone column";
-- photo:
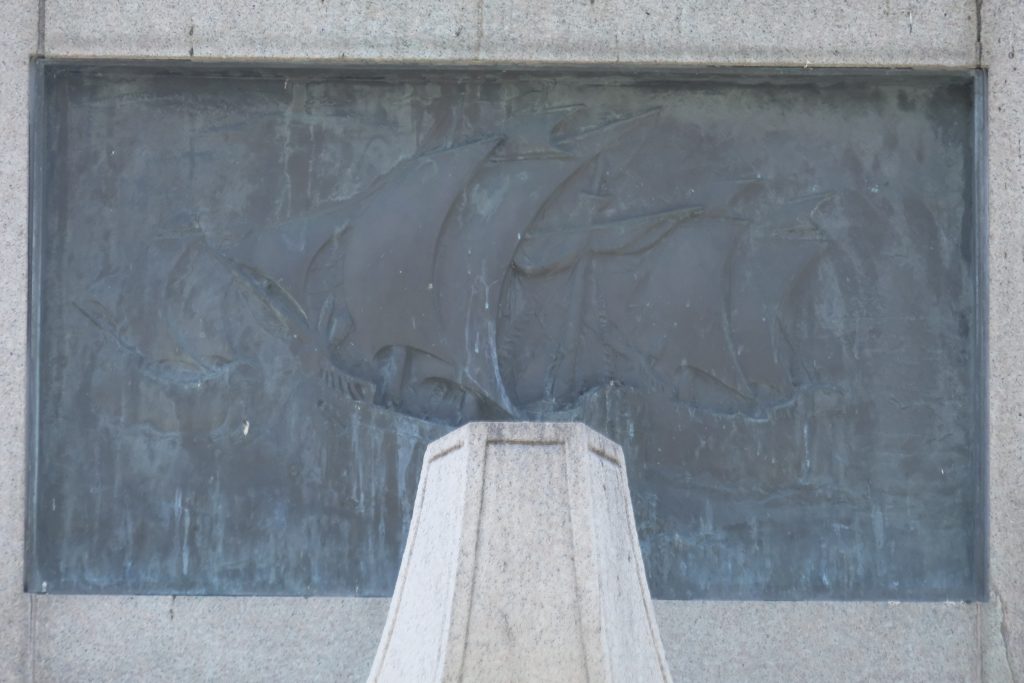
(522, 564)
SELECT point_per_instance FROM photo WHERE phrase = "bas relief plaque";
(259, 294)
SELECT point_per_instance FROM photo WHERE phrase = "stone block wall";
(50, 637)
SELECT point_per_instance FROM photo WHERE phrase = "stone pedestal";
(522, 564)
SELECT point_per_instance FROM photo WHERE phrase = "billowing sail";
(503, 273)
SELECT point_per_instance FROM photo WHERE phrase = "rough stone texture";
(90, 638)
(797, 642)
(1003, 38)
(992, 642)
(522, 563)
(17, 43)
(236, 29)
(734, 31)
(867, 32)
(119, 28)
(94, 638)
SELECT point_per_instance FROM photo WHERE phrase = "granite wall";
(69, 637)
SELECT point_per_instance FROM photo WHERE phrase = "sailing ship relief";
(527, 274)
(502, 279)
(733, 283)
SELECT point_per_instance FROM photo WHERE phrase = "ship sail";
(502, 273)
